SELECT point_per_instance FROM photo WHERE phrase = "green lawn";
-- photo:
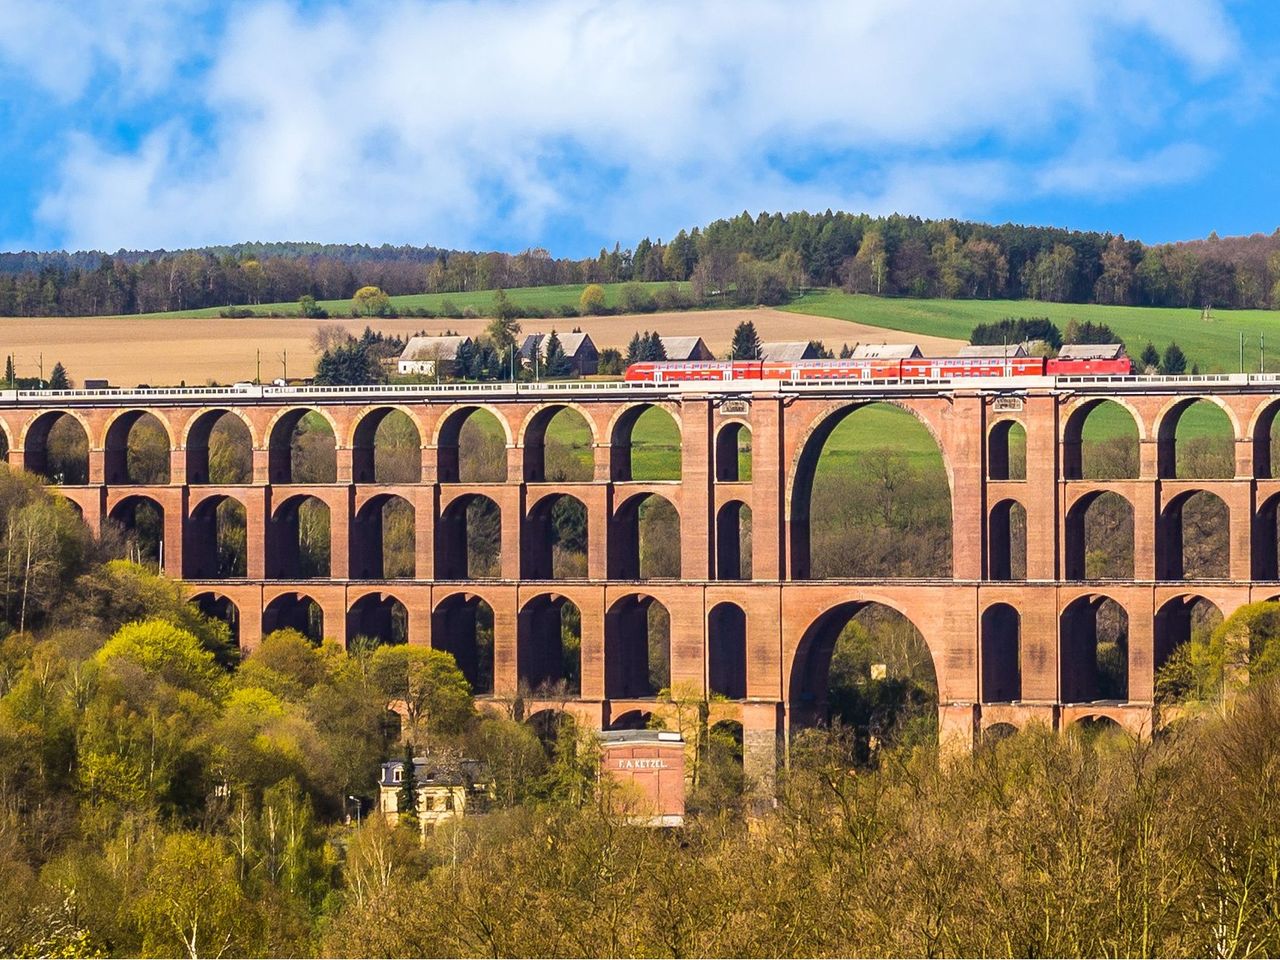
(1213, 344)
(480, 302)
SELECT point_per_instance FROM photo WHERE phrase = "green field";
(1213, 344)
(477, 302)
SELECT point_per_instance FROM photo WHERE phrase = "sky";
(572, 124)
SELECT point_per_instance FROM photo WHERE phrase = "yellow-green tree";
(592, 299)
(371, 302)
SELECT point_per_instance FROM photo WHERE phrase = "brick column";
(1239, 498)
(505, 666)
(963, 445)
(345, 465)
(768, 489)
(511, 502)
(1040, 499)
(1038, 644)
(341, 511)
(257, 513)
(762, 739)
(1146, 518)
(1142, 617)
(175, 522)
(592, 648)
(178, 466)
(696, 502)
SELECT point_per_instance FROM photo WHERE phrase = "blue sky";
(571, 124)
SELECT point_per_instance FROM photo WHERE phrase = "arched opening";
(294, 611)
(386, 448)
(462, 625)
(1266, 444)
(216, 541)
(219, 450)
(645, 445)
(866, 666)
(1000, 656)
(1266, 541)
(469, 539)
(733, 541)
(871, 499)
(217, 607)
(1100, 442)
(1177, 623)
(383, 540)
(140, 523)
(136, 450)
(303, 449)
(57, 448)
(637, 648)
(733, 453)
(727, 651)
(298, 540)
(555, 540)
(996, 732)
(1194, 538)
(472, 448)
(4, 445)
(1007, 542)
(377, 619)
(1091, 729)
(1094, 651)
(1100, 538)
(549, 647)
(1007, 451)
(550, 726)
(558, 447)
(644, 543)
(1196, 442)
(632, 720)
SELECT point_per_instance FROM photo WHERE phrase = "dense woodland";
(762, 259)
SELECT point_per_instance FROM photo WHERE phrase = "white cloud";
(458, 122)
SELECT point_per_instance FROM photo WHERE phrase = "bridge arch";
(1007, 450)
(549, 647)
(637, 648)
(1007, 541)
(1265, 547)
(294, 610)
(556, 538)
(469, 539)
(1093, 650)
(733, 541)
(303, 446)
(1206, 554)
(140, 520)
(235, 466)
(462, 625)
(218, 606)
(644, 539)
(804, 469)
(1175, 456)
(216, 545)
(727, 651)
(1263, 426)
(733, 452)
(1177, 620)
(1000, 654)
(144, 463)
(378, 616)
(67, 432)
(1099, 537)
(450, 464)
(622, 442)
(400, 446)
(533, 441)
(1113, 456)
(5, 444)
(298, 541)
(383, 539)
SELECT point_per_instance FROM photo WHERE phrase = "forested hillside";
(767, 257)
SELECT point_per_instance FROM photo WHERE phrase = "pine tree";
(746, 342)
(1174, 362)
(407, 795)
(846, 352)
(8, 371)
(634, 349)
(557, 363)
(657, 348)
(58, 378)
(1150, 358)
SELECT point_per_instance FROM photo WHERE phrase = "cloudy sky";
(570, 123)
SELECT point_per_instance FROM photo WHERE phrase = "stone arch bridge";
(1004, 651)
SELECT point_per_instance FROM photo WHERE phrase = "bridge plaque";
(731, 407)
(1007, 405)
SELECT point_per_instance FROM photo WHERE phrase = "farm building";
(422, 355)
(584, 358)
(886, 351)
(685, 348)
(783, 351)
(1092, 351)
(1006, 351)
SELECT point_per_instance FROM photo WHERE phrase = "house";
(584, 358)
(445, 787)
(421, 355)
(886, 351)
(1092, 351)
(647, 767)
(788, 351)
(994, 351)
(685, 348)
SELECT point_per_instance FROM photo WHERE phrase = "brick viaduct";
(1003, 652)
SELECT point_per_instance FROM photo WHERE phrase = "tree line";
(760, 259)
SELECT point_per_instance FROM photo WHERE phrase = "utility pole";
(258, 376)
(1242, 351)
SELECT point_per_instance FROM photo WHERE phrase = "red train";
(918, 368)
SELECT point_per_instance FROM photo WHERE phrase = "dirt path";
(128, 351)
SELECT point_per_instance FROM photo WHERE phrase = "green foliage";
(1149, 361)
(435, 694)
(592, 300)
(1089, 332)
(746, 342)
(351, 363)
(1174, 361)
(1242, 651)
(370, 301)
(1014, 330)
(557, 363)
(58, 379)
(165, 653)
(308, 307)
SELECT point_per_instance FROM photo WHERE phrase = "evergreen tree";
(407, 795)
(557, 363)
(58, 378)
(846, 352)
(1174, 362)
(657, 350)
(348, 364)
(746, 342)
(634, 348)
(8, 371)
(1150, 358)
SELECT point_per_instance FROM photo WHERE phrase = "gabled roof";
(433, 348)
(684, 348)
(785, 350)
(1092, 351)
(572, 344)
(886, 351)
(1005, 350)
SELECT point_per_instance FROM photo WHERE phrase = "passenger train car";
(918, 368)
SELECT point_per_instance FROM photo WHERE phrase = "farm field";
(133, 350)
(1213, 344)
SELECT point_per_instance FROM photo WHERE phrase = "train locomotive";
(869, 369)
